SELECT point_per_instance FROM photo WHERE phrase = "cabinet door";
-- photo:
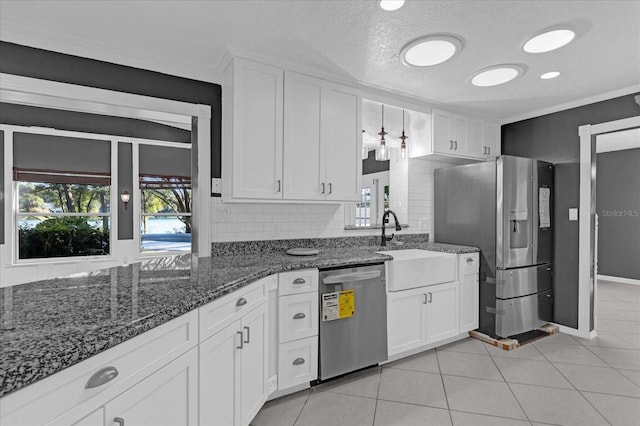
(442, 311)
(257, 130)
(218, 385)
(469, 291)
(441, 132)
(460, 135)
(303, 173)
(475, 146)
(406, 320)
(491, 140)
(341, 139)
(253, 364)
(167, 397)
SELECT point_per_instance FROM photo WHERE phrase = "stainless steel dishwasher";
(353, 319)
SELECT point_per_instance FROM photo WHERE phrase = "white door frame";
(51, 94)
(587, 220)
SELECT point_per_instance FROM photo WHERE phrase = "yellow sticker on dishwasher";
(338, 305)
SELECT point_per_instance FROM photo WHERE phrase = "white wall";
(259, 221)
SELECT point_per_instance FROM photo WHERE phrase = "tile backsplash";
(264, 221)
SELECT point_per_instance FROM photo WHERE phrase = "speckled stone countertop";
(52, 324)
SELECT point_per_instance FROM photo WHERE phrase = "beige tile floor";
(558, 380)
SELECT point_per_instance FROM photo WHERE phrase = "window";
(166, 198)
(363, 209)
(63, 189)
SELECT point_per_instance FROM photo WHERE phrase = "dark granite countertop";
(52, 324)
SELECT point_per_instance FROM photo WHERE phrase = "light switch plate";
(216, 185)
(573, 213)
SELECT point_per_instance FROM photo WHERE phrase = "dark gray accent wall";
(46, 152)
(125, 183)
(618, 208)
(2, 187)
(565, 307)
(164, 161)
(48, 65)
(554, 138)
(25, 115)
(371, 165)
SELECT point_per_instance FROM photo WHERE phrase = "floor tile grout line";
(499, 417)
(444, 388)
(511, 390)
(375, 409)
(303, 405)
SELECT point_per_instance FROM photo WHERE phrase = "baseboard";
(575, 332)
(618, 279)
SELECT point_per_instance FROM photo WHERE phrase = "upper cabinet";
(458, 138)
(289, 136)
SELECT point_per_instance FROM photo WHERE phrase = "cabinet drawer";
(468, 263)
(64, 397)
(220, 313)
(298, 362)
(296, 282)
(298, 316)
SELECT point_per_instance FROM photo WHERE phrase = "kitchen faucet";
(385, 215)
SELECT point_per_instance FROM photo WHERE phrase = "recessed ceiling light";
(390, 5)
(549, 75)
(430, 50)
(548, 41)
(495, 75)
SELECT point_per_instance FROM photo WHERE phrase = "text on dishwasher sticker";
(338, 305)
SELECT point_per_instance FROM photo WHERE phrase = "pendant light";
(382, 153)
(403, 144)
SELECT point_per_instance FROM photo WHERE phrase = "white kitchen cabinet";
(468, 276)
(168, 397)
(233, 371)
(298, 362)
(442, 319)
(298, 316)
(450, 133)
(322, 137)
(484, 139)
(252, 131)
(406, 320)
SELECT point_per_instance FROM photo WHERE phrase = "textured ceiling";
(356, 40)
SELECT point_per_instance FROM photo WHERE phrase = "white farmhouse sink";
(413, 268)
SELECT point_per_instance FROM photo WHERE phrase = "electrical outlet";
(216, 186)
(573, 214)
(273, 384)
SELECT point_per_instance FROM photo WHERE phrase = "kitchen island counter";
(50, 325)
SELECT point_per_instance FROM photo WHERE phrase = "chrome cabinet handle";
(424, 302)
(330, 188)
(278, 185)
(241, 302)
(299, 315)
(484, 150)
(102, 376)
(430, 297)
(456, 145)
(488, 150)
(322, 192)
(450, 144)
(298, 361)
(299, 281)
(248, 335)
(241, 340)
(119, 420)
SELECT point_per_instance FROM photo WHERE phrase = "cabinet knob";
(241, 302)
(119, 421)
(102, 376)
(299, 281)
(299, 315)
(298, 361)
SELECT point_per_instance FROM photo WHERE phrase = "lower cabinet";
(469, 291)
(421, 316)
(167, 397)
(233, 371)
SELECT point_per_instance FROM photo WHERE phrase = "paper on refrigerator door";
(544, 207)
(338, 305)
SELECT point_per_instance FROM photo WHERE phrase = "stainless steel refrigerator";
(505, 208)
